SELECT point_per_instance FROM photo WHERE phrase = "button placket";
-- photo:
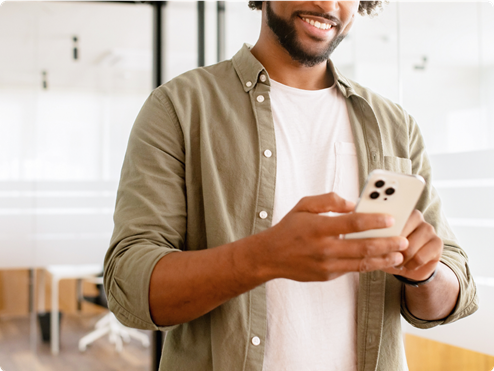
(265, 127)
(370, 339)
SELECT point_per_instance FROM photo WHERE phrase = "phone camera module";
(379, 183)
(374, 195)
(389, 191)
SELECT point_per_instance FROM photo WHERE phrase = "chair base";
(117, 332)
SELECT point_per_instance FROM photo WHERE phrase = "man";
(222, 233)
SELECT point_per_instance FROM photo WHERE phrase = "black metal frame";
(201, 33)
(158, 39)
(158, 42)
(158, 78)
(220, 30)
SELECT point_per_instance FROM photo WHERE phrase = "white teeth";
(321, 26)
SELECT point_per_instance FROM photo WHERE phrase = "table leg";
(79, 294)
(54, 333)
(32, 309)
(41, 291)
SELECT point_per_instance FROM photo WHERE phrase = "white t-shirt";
(312, 325)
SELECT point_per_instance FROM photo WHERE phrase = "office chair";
(109, 324)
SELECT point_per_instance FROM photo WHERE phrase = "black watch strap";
(413, 283)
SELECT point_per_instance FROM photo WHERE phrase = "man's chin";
(319, 54)
(320, 49)
(309, 61)
(312, 57)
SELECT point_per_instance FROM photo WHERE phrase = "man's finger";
(325, 203)
(353, 222)
(417, 239)
(367, 264)
(414, 220)
(419, 274)
(365, 248)
(430, 252)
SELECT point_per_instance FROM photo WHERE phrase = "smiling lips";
(317, 24)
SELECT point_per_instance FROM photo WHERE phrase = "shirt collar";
(345, 85)
(248, 69)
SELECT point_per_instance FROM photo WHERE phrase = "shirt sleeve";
(150, 211)
(453, 255)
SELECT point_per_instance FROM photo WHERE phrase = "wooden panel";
(428, 355)
(14, 294)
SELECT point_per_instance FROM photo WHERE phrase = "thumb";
(324, 203)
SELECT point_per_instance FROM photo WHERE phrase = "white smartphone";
(390, 193)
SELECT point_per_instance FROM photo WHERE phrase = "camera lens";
(379, 183)
(374, 195)
(390, 191)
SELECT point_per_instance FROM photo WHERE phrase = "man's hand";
(306, 246)
(303, 246)
(437, 298)
(424, 249)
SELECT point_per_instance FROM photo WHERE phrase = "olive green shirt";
(195, 177)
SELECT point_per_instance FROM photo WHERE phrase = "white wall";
(61, 148)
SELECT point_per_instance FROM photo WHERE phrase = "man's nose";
(327, 6)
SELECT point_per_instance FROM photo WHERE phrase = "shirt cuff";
(467, 302)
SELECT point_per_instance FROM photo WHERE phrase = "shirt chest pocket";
(398, 164)
(346, 182)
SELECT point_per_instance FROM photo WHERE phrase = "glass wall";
(70, 88)
(242, 26)
(181, 37)
(73, 77)
(451, 97)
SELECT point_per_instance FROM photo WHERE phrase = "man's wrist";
(252, 254)
(435, 300)
(414, 283)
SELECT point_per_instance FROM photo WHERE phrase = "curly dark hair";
(365, 7)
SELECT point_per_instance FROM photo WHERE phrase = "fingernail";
(389, 221)
(398, 259)
(403, 244)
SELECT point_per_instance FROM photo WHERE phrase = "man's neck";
(283, 69)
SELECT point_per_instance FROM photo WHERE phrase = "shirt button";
(262, 78)
(256, 341)
(248, 84)
(375, 276)
(268, 153)
(263, 214)
(260, 98)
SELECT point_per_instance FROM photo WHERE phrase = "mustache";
(327, 16)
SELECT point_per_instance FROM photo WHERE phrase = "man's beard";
(287, 35)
